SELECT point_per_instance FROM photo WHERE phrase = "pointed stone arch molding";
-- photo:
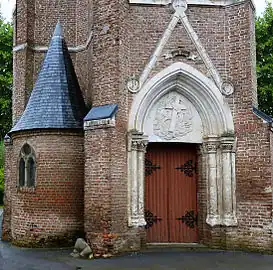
(217, 140)
(193, 85)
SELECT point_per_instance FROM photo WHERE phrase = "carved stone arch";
(199, 89)
(217, 139)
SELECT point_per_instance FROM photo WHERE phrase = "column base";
(213, 220)
(230, 220)
(227, 220)
(137, 222)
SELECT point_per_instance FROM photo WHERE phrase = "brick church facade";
(137, 124)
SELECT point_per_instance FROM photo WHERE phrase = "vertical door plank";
(170, 193)
(156, 196)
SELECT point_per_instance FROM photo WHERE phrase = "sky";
(7, 7)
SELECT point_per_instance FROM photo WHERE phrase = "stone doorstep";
(178, 246)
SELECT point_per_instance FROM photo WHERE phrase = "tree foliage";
(264, 42)
(1, 171)
(6, 34)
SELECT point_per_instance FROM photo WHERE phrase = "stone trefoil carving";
(137, 144)
(227, 88)
(173, 118)
(133, 84)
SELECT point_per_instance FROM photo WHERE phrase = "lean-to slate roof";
(56, 100)
(101, 112)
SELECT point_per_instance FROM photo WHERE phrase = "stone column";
(228, 176)
(137, 144)
(213, 213)
(134, 183)
(142, 146)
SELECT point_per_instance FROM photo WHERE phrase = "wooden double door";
(171, 193)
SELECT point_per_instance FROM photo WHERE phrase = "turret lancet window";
(27, 167)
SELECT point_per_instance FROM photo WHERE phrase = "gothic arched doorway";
(182, 106)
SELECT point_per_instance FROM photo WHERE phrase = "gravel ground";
(13, 258)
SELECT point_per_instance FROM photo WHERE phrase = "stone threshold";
(175, 245)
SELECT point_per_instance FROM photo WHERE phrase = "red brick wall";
(105, 196)
(254, 170)
(6, 223)
(51, 214)
(98, 182)
(124, 38)
(107, 149)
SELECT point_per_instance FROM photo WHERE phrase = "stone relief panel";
(173, 119)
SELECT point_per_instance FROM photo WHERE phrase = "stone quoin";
(173, 148)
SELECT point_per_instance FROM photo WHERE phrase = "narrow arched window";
(31, 172)
(27, 167)
(21, 172)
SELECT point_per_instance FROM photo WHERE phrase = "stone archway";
(209, 123)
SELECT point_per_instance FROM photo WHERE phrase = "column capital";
(228, 144)
(211, 147)
(137, 141)
(226, 147)
(142, 146)
(211, 144)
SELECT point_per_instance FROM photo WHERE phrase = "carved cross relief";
(172, 117)
(177, 108)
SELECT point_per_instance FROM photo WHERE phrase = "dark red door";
(170, 193)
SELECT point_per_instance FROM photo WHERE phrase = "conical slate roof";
(56, 100)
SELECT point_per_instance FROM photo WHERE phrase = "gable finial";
(180, 5)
